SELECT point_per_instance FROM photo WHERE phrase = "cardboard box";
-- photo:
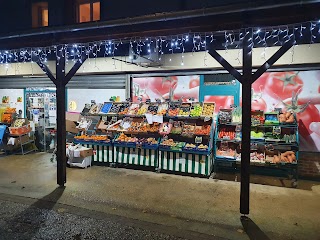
(71, 122)
(86, 152)
(71, 127)
(24, 138)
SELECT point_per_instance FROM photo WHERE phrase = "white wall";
(83, 96)
(13, 95)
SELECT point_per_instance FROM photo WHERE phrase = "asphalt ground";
(26, 218)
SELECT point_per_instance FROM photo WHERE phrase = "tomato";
(259, 84)
(162, 85)
(194, 83)
(221, 102)
(142, 82)
(258, 104)
(282, 84)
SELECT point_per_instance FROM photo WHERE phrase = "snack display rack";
(166, 136)
(274, 143)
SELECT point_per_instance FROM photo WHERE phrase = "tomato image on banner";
(282, 84)
(173, 87)
(221, 102)
(297, 92)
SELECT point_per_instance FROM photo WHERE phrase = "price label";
(276, 130)
(198, 140)
(148, 100)
(238, 128)
(206, 119)
(167, 99)
(93, 101)
(114, 119)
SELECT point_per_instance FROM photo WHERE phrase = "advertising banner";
(171, 87)
(293, 91)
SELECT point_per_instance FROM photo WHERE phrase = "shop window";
(88, 10)
(40, 13)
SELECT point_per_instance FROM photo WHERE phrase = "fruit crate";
(133, 109)
(184, 110)
(196, 109)
(257, 118)
(124, 108)
(20, 130)
(153, 108)
(188, 129)
(173, 109)
(143, 109)
(114, 109)
(208, 109)
(162, 109)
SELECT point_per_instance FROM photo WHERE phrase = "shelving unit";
(41, 108)
(138, 143)
(24, 143)
(274, 152)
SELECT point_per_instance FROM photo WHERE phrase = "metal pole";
(246, 122)
(61, 117)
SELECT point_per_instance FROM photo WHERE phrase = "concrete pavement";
(206, 206)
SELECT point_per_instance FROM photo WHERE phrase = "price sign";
(104, 119)
(276, 130)
(148, 100)
(93, 101)
(206, 119)
(238, 128)
(198, 140)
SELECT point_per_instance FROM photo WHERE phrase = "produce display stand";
(274, 146)
(189, 160)
(137, 143)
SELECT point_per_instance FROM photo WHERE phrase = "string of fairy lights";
(148, 47)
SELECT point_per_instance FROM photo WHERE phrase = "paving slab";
(207, 206)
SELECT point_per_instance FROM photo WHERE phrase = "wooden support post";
(61, 116)
(246, 122)
(225, 64)
(247, 78)
(61, 81)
